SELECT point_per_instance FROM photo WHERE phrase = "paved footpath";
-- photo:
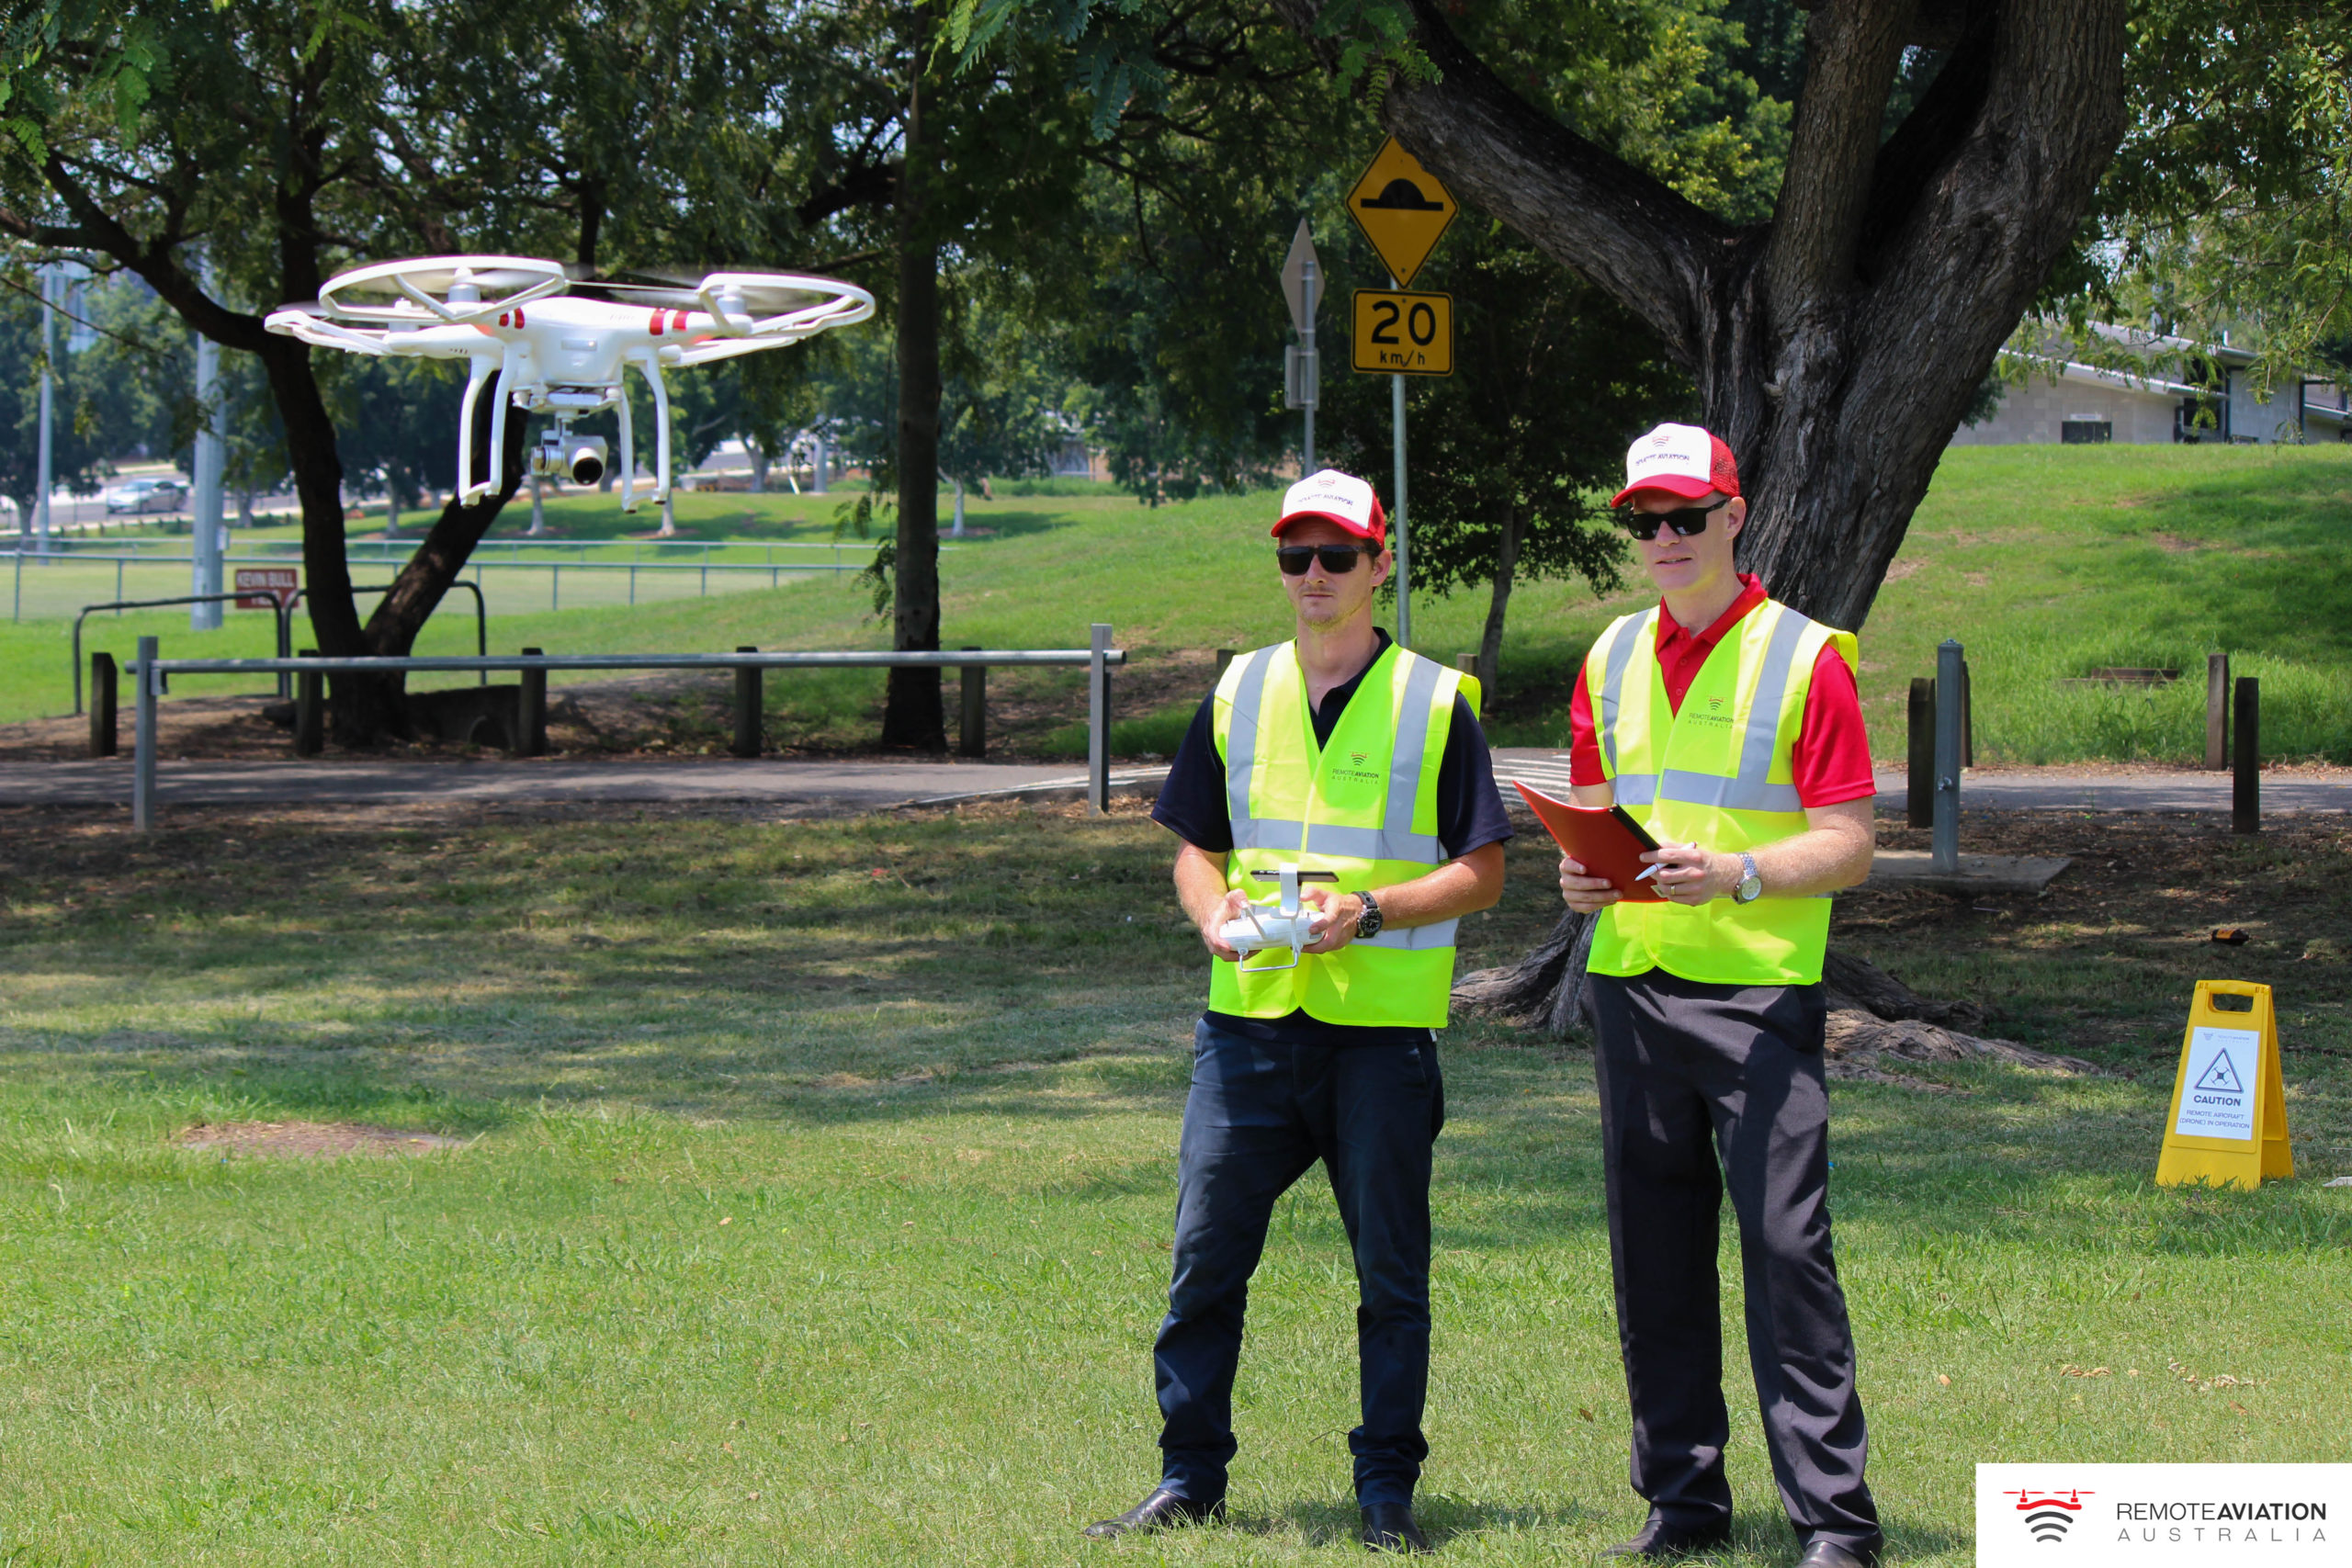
(841, 788)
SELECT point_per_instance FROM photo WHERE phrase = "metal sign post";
(1402, 211)
(1404, 539)
(1302, 375)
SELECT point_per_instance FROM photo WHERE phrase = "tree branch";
(1645, 246)
(1851, 50)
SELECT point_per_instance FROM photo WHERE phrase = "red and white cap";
(1681, 459)
(1336, 498)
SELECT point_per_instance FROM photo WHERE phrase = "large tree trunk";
(1835, 347)
(1490, 643)
(914, 715)
(417, 592)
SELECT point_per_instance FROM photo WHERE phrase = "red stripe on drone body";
(677, 321)
(657, 323)
(518, 315)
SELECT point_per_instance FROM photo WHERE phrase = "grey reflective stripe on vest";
(1633, 789)
(1751, 789)
(1764, 722)
(1732, 794)
(1395, 837)
(1282, 835)
(1241, 739)
(1405, 756)
(1413, 939)
(1613, 683)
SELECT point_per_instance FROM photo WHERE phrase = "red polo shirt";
(1833, 752)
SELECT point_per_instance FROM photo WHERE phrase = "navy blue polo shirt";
(1470, 816)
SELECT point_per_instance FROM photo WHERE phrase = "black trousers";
(1690, 1073)
(1258, 1118)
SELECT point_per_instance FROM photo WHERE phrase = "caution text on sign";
(1403, 334)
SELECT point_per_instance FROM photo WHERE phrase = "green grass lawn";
(820, 1185)
(2047, 562)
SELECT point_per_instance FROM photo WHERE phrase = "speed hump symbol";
(1402, 210)
(1399, 334)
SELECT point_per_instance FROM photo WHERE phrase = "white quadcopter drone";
(560, 354)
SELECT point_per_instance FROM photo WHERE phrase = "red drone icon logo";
(2047, 1514)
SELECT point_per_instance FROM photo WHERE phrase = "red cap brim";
(1373, 535)
(1671, 484)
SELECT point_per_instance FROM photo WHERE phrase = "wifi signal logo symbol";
(2047, 1515)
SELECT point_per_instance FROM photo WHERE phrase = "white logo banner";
(2127, 1515)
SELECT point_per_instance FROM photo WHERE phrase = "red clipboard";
(1604, 840)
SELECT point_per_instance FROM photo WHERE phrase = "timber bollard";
(310, 711)
(1225, 656)
(2245, 784)
(103, 694)
(1919, 796)
(2216, 711)
(972, 739)
(747, 709)
(531, 719)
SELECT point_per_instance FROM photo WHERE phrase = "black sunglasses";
(1335, 558)
(1684, 520)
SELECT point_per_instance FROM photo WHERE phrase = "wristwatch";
(1369, 921)
(1751, 887)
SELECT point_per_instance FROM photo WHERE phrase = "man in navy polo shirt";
(1318, 753)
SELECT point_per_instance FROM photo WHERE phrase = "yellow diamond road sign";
(1401, 209)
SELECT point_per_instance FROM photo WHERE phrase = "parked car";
(147, 495)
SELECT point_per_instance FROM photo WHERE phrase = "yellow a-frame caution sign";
(2227, 1126)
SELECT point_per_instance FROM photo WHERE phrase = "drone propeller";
(440, 291)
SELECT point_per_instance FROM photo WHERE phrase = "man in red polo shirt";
(1729, 724)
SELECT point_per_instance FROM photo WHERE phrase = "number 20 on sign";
(1404, 334)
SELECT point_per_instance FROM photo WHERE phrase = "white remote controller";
(1286, 924)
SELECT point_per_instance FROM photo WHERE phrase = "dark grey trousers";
(1690, 1073)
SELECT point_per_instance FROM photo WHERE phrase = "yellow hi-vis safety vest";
(1362, 805)
(1719, 772)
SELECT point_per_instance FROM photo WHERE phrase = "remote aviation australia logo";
(2047, 1515)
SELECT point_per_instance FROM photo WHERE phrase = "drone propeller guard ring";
(418, 279)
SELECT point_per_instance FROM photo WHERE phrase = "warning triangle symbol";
(2221, 1076)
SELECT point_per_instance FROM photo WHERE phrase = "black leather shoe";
(1389, 1527)
(1831, 1554)
(1162, 1510)
(1661, 1540)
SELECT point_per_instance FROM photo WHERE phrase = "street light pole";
(210, 459)
(52, 275)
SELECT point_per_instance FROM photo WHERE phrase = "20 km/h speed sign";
(1399, 334)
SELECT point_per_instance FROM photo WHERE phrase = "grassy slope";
(2046, 562)
(821, 1194)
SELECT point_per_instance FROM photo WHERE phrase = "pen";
(1653, 871)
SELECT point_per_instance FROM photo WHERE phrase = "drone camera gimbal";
(578, 459)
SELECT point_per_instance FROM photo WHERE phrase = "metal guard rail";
(282, 607)
(149, 671)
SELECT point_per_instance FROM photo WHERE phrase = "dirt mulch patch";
(312, 1140)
